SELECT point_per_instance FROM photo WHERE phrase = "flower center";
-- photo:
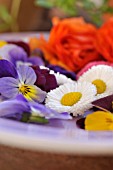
(71, 98)
(28, 91)
(24, 89)
(100, 85)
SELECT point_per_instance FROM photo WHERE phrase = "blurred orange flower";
(70, 44)
(104, 40)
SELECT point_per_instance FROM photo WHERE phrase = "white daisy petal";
(103, 73)
(61, 79)
(87, 91)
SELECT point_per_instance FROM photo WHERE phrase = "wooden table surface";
(19, 159)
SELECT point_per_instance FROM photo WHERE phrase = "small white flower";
(102, 77)
(62, 79)
(73, 98)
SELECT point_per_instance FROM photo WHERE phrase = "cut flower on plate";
(101, 119)
(102, 77)
(19, 81)
(74, 98)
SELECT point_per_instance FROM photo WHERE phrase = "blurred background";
(36, 15)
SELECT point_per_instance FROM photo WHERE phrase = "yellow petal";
(29, 91)
(2, 43)
(99, 120)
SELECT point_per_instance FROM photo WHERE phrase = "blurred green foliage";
(8, 19)
(5, 18)
(93, 9)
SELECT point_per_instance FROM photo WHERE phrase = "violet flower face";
(22, 83)
(17, 56)
(45, 80)
(61, 70)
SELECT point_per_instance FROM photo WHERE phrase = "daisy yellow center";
(71, 98)
(100, 85)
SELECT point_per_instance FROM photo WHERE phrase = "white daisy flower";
(102, 77)
(74, 97)
(60, 78)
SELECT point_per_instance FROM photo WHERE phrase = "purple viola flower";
(21, 44)
(61, 70)
(42, 110)
(12, 107)
(45, 80)
(19, 107)
(18, 56)
(22, 83)
(35, 60)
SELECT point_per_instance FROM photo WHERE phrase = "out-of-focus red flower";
(70, 44)
(104, 40)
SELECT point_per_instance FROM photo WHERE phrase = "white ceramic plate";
(59, 136)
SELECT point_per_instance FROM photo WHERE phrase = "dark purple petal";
(7, 69)
(61, 70)
(45, 80)
(51, 83)
(35, 61)
(41, 81)
(105, 102)
(81, 123)
(22, 44)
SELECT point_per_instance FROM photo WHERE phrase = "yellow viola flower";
(99, 120)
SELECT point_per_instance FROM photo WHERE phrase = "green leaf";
(107, 9)
(25, 117)
(38, 119)
(4, 14)
(88, 5)
(44, 3)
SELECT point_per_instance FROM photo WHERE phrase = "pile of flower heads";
(34, 89)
